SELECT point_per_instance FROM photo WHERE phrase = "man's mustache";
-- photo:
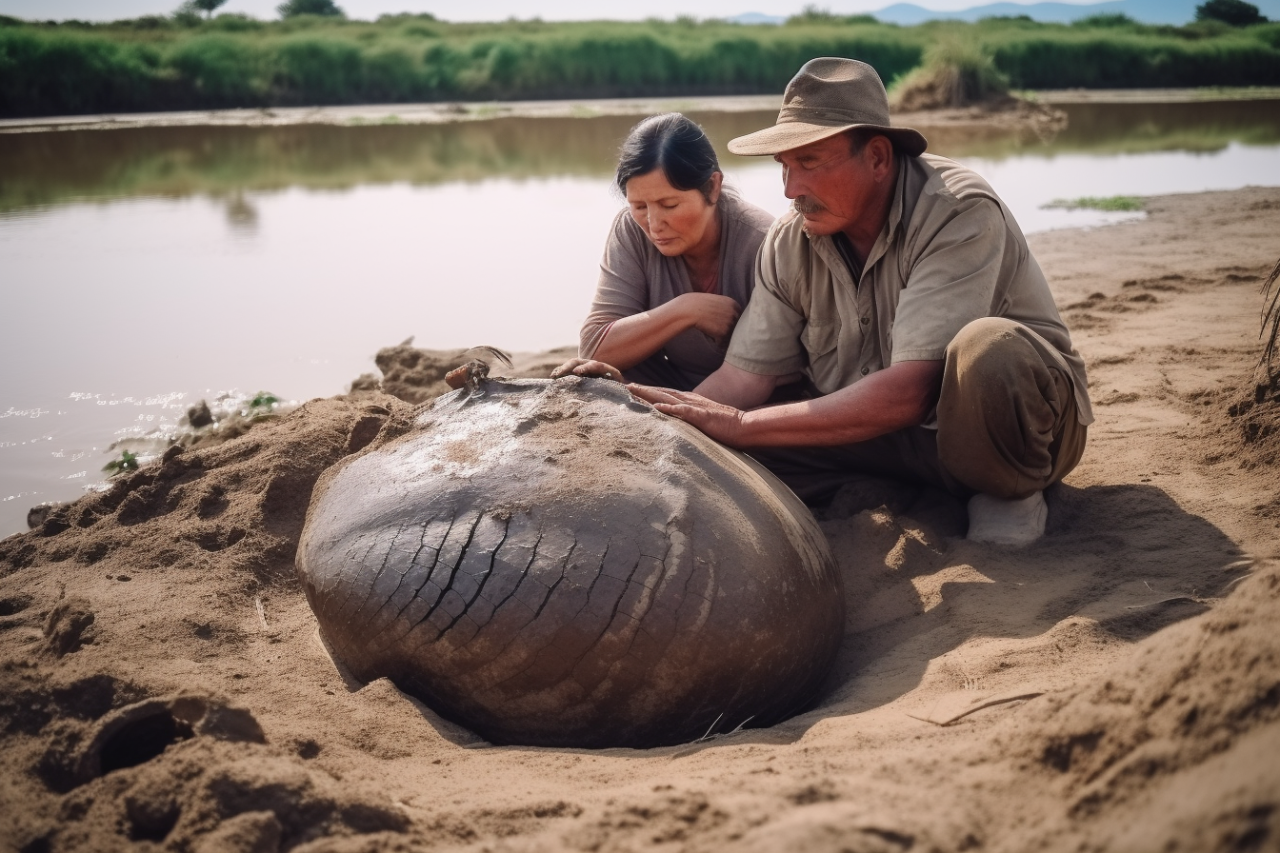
(805, 205)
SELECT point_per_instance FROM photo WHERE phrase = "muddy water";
(145, 269)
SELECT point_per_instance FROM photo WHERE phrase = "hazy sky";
(468, 10)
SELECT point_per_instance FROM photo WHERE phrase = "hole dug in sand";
(14, 605)
(142, 739)
(138, 733)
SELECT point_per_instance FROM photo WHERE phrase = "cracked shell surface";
(555, 563)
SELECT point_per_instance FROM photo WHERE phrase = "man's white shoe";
(999, 522)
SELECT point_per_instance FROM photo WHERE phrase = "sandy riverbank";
(441, 113)
(1114, 687)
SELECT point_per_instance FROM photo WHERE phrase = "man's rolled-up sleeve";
(952, 283)
(766, 340)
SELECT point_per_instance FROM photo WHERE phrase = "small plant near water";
(1111, 203)
(127, 462)
(263, 402)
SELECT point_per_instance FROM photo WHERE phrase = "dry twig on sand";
(1270, 317)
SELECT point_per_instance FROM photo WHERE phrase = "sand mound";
(1114, 687)
(417, 375)
(958, 84)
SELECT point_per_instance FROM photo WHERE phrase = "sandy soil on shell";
(1114, 687)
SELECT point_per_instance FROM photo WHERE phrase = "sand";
(1114, 687)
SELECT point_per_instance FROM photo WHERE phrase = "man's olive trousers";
(1008, 426)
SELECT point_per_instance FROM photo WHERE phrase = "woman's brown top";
(635, 277)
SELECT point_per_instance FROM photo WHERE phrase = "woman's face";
(675, 221)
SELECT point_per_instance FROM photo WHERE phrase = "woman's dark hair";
(674, 144)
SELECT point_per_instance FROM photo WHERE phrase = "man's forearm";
(896, 398)
(736, 387)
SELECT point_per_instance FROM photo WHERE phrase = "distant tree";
(1237, 13)
(187, 14)
(814, 14)
(289, 8)
(1105, 20)
(207, 6)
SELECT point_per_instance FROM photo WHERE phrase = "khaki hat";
(829, 95)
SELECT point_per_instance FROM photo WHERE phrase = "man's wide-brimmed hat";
(827, 96)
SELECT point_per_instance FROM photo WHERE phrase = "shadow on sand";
(1117, 564)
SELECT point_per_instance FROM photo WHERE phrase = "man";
(902, 287)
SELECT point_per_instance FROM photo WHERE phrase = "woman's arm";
(630, 340)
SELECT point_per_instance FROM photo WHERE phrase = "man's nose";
(791, 185)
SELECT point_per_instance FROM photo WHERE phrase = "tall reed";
(158, 63)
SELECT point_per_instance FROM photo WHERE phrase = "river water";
(145, 269)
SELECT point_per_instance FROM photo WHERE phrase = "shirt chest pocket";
(821, 344)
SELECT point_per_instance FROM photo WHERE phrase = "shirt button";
(866, 320)
(866, 370)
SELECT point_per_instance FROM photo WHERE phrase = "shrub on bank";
(954, 73)
(219, 70)
(231, 60)
(68, 72)
(1134, 61)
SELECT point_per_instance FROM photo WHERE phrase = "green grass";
(159, 63)
(1113, 203)
(127, 462)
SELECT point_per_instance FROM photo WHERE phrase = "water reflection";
(242, 216)
(1139, 128)
(44, 169)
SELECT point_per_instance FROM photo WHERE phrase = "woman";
(678, 266)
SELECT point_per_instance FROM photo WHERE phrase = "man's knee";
(1001, 409)
(989, 364)
(990, 346)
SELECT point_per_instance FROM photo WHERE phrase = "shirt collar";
(894, 220)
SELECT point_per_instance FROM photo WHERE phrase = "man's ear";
(879, 154)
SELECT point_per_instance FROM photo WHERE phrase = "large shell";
(556, 563)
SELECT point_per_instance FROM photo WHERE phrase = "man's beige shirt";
(950, 253)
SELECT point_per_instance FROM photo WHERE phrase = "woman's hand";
(587, 367)
(710, 313)
(630, 340)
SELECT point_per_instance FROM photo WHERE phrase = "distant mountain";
(756, 18)
(908, 14)
(1175, 12)
(1146, 11)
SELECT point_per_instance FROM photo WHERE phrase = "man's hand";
(897, 397)
(587, 367)
(721, 422)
